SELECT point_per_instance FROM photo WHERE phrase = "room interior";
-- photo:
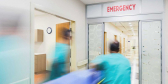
(46, 35)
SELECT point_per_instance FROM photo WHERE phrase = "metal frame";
(127, 18)
(140, 48)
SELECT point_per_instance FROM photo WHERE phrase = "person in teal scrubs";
(116, 68)
(60, 65)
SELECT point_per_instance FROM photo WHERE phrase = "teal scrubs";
(59, 66)
(116, 68)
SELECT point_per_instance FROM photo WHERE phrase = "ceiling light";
(129, 23)
(131, 28)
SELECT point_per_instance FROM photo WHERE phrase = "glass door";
(95, 40)
(150, 52)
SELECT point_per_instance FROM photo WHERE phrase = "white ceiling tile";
(126, 28)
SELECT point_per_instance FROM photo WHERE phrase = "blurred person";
(61, 60)
(116, 68)
(14, 51)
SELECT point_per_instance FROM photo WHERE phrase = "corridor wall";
(134, 39)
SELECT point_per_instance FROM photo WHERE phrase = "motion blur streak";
(61, 60)
(14, 45)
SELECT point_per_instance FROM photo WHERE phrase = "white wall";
(111, 31)
(133, 40)
(165, 45)
(74, 10)
(49, 40)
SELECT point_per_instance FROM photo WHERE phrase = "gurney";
(79, 77)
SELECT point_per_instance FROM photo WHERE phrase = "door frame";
(33, 7)
(141, 17)
(105, 42)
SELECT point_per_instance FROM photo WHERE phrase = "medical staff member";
(61, 58)
(116, 68)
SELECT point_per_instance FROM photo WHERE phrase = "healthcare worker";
(116, 68)
(61, 62)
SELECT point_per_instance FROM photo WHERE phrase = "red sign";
(121, 8)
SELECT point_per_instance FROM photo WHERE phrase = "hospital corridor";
(83, 42)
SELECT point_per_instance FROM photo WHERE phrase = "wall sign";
(122, 8)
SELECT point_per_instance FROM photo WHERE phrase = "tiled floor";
(40, 77)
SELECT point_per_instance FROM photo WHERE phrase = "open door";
(58, 30)
(58, 38)
(150, 46)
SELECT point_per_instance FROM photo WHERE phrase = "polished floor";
(40, 77)
(135, 72)
(133, 57)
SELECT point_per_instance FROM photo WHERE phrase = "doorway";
(47, 27)
(126, 32)
(139, 41)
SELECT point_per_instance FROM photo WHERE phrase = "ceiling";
(99, 1)
(129, 28)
